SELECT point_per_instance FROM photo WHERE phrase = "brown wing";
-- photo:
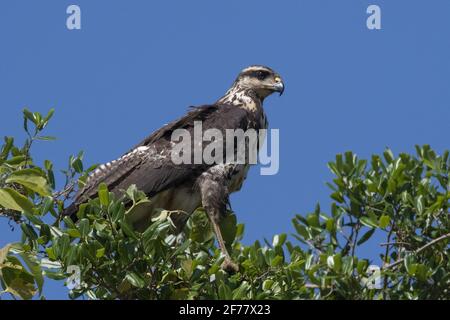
(149, 166)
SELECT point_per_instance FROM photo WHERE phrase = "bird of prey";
(188, 186)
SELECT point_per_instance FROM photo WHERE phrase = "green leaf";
(100, 252)
(384, 221)
(18, 280)
(72, 254)
(77, 165)
(6, 148)
(34, 219)
(35, 269)
(339, 163)
(337, 262)
(365, 237)
(31, 178)
(225, 292)
(48, 116)
(180, 294)
(50, 253)
(181, 248)
(103, 195)
(84, 227)
(367, 221)
(69, 223)
(187, 267)
(241, 291)
(279, 239)
(134, 194)
(331, 225)
(28, 231)
(388, 155)
(127, 230)
(228, 226)
(410, 264)
(313, 220)
(200, 227)
(362, 266)
(267, 284)
(302, 230)
(422, 272)
(45, 138)
(240, 231)
(4, 252)
(61, 246)
(30, 116)
(419, 204)
(277, 261)
(55, 275)
(347, 265)
(309, 262)
(15, 161)
(47, 205)
(74, 233)
(337, 196)
(22, 287)
(11, 199)
(135, 280)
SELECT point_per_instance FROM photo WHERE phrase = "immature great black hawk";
(185, 187)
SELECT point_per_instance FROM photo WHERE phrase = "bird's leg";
(214, 200)
(228, 265)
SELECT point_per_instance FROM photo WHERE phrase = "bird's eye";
(261, 75)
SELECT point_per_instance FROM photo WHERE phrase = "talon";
(229, 266)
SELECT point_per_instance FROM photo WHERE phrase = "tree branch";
(429, 244)
(394, 244)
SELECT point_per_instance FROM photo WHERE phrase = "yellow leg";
(228, 265)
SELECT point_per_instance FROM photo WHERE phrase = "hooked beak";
(279, 85)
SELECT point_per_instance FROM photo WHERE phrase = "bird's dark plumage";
(186, 186)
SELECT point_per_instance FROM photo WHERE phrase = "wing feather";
(149, 166)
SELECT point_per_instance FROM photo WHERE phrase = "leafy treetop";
(403, 198)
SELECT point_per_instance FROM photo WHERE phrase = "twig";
(394, 244)
(345, 235)
(429, 244)
(386, 257)
(265, 273)
(315, 286)
(357, 227)
(68, 189)
(349, 239)
(313, 246)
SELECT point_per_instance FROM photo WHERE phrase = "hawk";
(188, 186)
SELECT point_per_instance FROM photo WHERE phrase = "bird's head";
(263, 81)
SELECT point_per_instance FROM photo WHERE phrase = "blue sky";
(136, 65)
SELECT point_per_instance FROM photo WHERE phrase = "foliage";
(403, 200)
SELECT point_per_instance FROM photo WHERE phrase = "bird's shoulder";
(152, 153)
(218, 115)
